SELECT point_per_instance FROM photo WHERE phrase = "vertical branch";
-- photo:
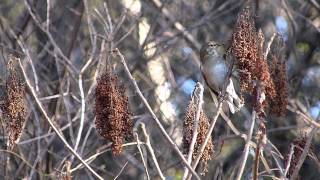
(141, 154)
(83, 103)
(48, 16)
(256, 162)
(198, 89)
(262, 140)
(247, 147)
(288, 162)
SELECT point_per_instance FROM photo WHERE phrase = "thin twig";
(154, 117)
(94, 156)
(257, 161)
(247, 147)
(177, 24)
(305, 117)
(83, 103)
(269, 45)
(48, 15)
(153, 156)
(44, 113)
(281, 169)
(141, 154)
(120, 171)
(288, 162)
(25, 162)
(37, 124)
(245, 137)
(66, 61)
(87, 137)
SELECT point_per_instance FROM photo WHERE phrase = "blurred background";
(160, 40)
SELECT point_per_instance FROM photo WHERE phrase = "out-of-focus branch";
(305, 117)
(53, 42)
(177, 24)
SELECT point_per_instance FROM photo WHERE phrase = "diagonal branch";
(154, 117)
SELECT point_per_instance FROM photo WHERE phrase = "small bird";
(214, 69)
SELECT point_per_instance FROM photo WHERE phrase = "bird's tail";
(234, 101)
(232, 107)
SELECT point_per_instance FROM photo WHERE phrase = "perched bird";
(214, 69)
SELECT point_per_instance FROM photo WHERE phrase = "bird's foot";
(222, 96)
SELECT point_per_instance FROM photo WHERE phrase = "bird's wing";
(207, 82)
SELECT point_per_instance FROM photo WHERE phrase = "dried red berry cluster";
(202, 132)
(113, 117)
(247, 48)
(15, 108)
(279, 102)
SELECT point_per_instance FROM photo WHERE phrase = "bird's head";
(211, 48)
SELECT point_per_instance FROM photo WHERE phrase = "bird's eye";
(213, 45)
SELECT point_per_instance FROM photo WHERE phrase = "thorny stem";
(44, 113)
(154, 117)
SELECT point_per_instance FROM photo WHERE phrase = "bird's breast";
(215, 73)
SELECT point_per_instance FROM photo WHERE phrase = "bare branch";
(247, 147)
(44, 113)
